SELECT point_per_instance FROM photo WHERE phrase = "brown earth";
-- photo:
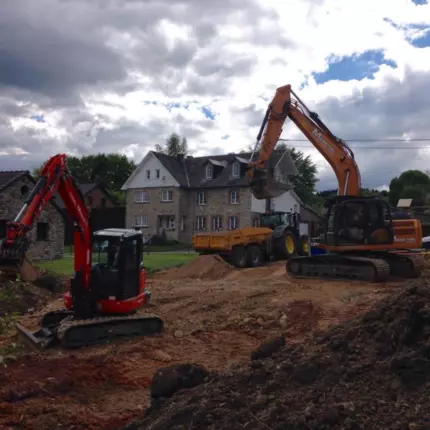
(212, 322)
(369, 373)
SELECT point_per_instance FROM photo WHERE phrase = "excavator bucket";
(273, 180)
(23, 268)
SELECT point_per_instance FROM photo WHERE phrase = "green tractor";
(286, 238)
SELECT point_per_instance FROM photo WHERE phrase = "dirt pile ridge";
(202, 267)
(372, 372)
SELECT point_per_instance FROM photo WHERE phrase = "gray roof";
(190, 171)
(7, 177)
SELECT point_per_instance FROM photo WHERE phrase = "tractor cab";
(117, 263)
(272, 219)
(354, 220)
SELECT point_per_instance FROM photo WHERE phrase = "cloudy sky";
(88, 76)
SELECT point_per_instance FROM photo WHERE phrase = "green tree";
(110, 170)
(412, 184)
(174, 146)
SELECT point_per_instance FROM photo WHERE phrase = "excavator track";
(404, 265)
(78, 333)
(339, 267)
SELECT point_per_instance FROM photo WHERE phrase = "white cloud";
(229, 63)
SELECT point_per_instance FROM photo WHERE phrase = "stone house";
(47, 234)
(182, 195)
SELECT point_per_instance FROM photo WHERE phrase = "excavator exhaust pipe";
(264, 186)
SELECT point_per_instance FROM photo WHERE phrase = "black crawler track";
(375, 267)
(75, 333)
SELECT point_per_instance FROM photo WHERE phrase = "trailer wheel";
(254, 256)
(238, 257)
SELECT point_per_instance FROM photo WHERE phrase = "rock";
(283, 321)
(260, 321)
(178, 333)
(162, 356)
(267, 349)
(169, 380)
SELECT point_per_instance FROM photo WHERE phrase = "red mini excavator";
(103, 298)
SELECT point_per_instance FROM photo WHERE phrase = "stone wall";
(49, 242)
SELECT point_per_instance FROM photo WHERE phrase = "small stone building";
(47, 234)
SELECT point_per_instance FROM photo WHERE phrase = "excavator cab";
(117, 263)
(356, 221)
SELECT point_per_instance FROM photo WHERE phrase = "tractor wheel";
(304, 245)
(254, 256)
(238, 257)
(289, 244)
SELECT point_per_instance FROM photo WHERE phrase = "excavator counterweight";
(361, 238)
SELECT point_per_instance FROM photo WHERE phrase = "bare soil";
(213, 317)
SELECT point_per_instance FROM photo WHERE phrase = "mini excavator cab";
(117, 265)
(352, 220)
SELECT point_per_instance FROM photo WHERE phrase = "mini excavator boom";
(101, 297)
(362, 239)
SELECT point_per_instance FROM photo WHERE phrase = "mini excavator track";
(59, 327)
(374, 267)
(78, 333)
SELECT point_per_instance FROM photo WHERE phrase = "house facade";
(179, 196)
(47, 234)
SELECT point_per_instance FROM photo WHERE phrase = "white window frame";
(167, 196)
(233, 222)
(201, 198)
(234, 201)
(236, 169)
(141, 221)
(141, 197)
(157, 173)
(209, 171)
(200, 222)
(148, 174)
(217, 222)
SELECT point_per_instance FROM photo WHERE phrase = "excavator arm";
(286, 104)
(54, 177)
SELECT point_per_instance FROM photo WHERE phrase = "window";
(157, 173)
(24, 190)
(209, 171)
(42, 231)
(236, 169)
(148, 174)
(171, 222)
(141, 197)
(234, 197)
(233, 223)
(201, 198)
(90, 200)
(103, 202)
(141, 221)
(167, 196)
(201, 223)
(217, 223)
(183, 221)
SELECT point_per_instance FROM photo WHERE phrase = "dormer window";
(209, 171)
(236, 169)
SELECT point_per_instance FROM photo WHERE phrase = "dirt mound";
(202, 267)
(369, 373)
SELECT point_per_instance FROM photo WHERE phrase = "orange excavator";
(361, 239)
(102, 299)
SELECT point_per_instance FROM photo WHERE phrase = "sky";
(90, 76)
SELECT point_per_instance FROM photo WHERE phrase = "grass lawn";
(152, 262)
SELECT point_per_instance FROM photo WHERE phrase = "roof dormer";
(213, 168)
